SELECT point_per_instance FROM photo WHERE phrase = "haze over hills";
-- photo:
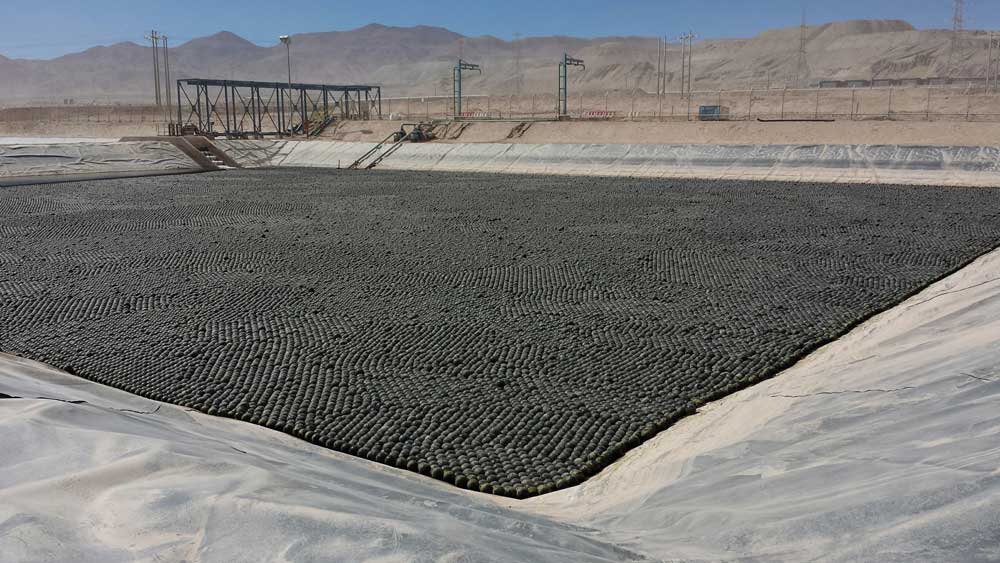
(418, 60)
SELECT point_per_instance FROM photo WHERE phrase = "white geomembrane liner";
(54, 140)
(33, 159)
(883, 445)
(903, 164)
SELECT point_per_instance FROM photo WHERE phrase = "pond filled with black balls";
(507, 334)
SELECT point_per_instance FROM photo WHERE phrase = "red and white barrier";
(599, 115)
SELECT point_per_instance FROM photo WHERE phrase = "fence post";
(928, 103)
(889, 115)
(854, 93)
(783, 91)
(968, 105)
(750, 104)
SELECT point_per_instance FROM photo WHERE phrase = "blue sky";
(48, 28)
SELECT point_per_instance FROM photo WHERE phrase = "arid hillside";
(418, 61)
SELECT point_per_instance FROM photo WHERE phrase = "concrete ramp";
(902, 164)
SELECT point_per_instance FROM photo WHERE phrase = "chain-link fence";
(911, 104)
(85, 114)
(972, 103)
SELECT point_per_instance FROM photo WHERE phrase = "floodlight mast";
(457, 82)
(567, 61)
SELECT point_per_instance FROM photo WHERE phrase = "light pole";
(288, 52)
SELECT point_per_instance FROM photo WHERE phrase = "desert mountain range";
(418, 60)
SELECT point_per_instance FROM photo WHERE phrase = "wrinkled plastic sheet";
(54, 140)
(27, 160)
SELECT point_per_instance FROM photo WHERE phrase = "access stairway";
(216, 161)
(420, 133)
(378, 153)
(317, 128)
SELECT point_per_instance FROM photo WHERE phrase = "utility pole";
(287, 40)
(659, 66)
(690, 63)
(666, 45)
(690, 73)
(993, 65)
(154, 39)
(661, 73)
(517, 64)
(989, 62)
(166, 72)
(957, 27)
(687, 46)
(683, 64)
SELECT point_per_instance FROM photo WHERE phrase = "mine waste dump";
(507, 334)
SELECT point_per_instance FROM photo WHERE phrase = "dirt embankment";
(129, 123)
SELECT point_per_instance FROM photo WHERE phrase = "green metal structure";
(457, 81)
(566, 62)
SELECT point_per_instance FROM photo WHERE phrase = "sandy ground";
(884, 445)
(73, 129)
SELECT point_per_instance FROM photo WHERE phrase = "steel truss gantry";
(566, 62)
(457, 83)
(248, 109)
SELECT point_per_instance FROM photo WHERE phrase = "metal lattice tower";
(800, 69)
(957, 27)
